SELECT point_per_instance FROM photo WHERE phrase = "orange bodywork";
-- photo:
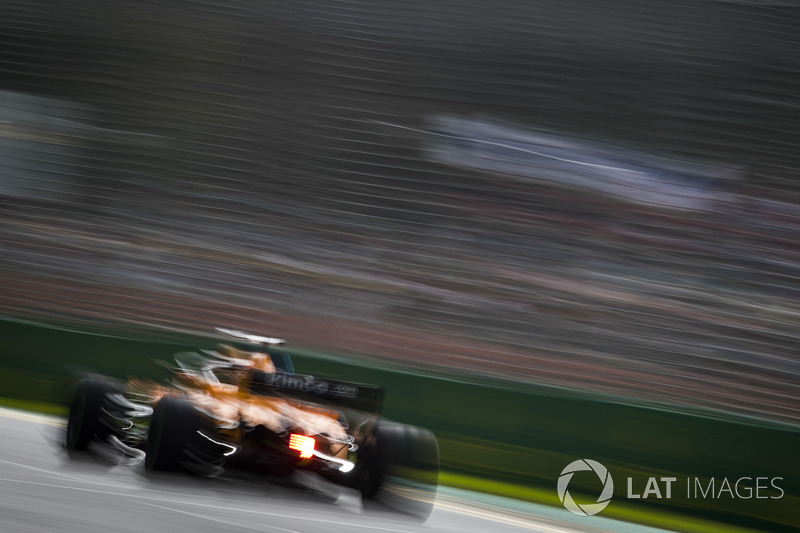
(229, 404)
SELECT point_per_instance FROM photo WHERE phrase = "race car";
(242, 406)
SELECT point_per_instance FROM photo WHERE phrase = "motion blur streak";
(194, 164)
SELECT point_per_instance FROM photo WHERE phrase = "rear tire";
(402, 468)
(174, 424)
(85, 423)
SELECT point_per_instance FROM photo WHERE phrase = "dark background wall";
(489, 432)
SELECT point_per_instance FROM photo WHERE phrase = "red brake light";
(304, 445)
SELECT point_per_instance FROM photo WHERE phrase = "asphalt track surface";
(43, 490)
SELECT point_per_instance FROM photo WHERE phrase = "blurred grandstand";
(269, 167)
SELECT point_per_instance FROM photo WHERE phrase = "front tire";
(85, 423)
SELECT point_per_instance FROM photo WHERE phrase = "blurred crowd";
(269, 168)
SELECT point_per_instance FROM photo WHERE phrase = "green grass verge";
(34, 406)
(618, 510)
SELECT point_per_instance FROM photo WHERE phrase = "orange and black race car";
(246, 408)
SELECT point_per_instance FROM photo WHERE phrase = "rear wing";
(251, 339)
(343, 394)
(281, 360)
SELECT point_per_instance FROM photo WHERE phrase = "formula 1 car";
(246, 408)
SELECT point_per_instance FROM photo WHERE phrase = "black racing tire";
(402, 468)
(173, 427)
(85, 423)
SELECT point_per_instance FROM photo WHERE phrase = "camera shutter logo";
(605, 479)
